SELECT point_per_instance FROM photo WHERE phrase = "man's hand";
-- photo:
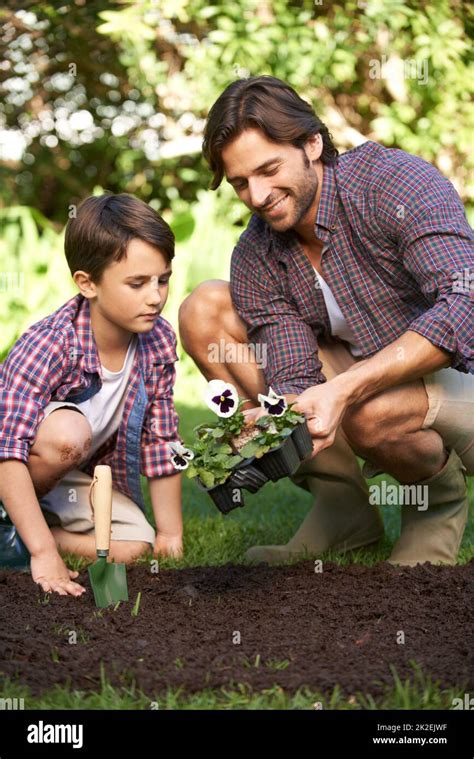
(323, 406)
(168, 545)
(49, 571)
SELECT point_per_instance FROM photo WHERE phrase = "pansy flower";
(180, 456)
(222, 398)
(272, 403)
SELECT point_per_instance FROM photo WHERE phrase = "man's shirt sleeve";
(291, 348)
(427, 221)
(31, 371)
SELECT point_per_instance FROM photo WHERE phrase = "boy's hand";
(50, 572)
(168, 545)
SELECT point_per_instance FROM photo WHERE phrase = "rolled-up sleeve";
(32, 369)
(437, 245)
(284, 339)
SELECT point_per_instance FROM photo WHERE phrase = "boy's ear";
(85, 284)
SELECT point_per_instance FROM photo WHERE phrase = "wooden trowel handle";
(101, 500)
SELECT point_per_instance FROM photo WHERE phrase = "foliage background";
(113, 95)
(98, 95)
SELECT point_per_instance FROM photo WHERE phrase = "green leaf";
(207, 478)
(249, 449)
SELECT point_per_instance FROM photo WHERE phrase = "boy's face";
(131, 292)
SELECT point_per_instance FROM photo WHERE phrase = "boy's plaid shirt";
(56, 359)
(399, 257)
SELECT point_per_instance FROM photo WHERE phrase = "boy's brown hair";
(104, 226)
(266, 103)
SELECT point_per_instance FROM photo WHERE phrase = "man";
(352, 272)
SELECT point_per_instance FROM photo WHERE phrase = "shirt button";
(333, 228)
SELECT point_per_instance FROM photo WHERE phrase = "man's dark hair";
(266, 103)
(104, 226)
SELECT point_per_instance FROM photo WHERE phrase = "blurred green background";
(114, 96)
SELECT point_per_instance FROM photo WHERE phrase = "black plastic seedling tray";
(228, 496)
(253, 473)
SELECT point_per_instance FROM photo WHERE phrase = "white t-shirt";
(104, 410)
(339, 325)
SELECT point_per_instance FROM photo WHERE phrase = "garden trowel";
(108, 580)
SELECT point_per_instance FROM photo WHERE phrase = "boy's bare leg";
(62, 443)
(84, 545)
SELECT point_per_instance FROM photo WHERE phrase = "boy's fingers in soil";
(57, 588)
(44, 585)
(66, 587)
(73, 573)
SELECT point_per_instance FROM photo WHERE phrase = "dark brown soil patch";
(297, 627)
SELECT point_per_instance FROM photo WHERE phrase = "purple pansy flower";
(180, 456)
(221, 397)
(272, 403)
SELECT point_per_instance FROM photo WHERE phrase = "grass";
(269, 517)
(421, 693)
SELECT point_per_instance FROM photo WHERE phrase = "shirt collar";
(153, 347)
(83, 327)
(326, 215)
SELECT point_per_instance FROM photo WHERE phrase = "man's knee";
(63, 440)
(127, 551)
(202, 311)
(367, 425)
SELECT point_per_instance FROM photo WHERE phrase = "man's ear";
(314, 147)
(85, 284)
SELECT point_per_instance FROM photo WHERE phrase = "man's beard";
(303, 197)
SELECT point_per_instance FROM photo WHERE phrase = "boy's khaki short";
(67, 505)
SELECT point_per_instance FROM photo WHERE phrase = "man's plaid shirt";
(399, 257)
(56, 359)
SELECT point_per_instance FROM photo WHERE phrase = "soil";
(249, 432)
(297, 627)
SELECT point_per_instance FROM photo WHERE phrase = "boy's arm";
(18, 495)
(165, 494)
(35, 365)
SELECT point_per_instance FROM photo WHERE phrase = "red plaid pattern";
(399, 247)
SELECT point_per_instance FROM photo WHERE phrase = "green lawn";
(269, 517)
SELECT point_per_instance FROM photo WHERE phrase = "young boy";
(92, 384)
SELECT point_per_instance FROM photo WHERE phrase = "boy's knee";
(64, 439)
(127, 551)
(203, 308)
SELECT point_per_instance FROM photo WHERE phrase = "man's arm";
(292, 362)
(165, 494)
(406, 359)
(409, 357)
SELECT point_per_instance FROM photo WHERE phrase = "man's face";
(275, 180)
(132, 292)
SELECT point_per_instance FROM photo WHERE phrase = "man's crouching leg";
(388, 431)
